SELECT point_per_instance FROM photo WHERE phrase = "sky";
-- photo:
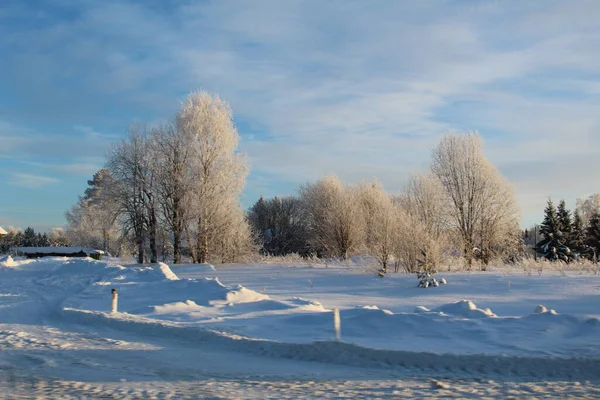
(360, 89)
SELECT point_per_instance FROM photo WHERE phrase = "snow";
(275, 323)
(3, 232)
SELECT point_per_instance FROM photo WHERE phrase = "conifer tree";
(29, 237)
(552, 245)
(564, 221)
(549, 226)
(577, 238)
(593, 234)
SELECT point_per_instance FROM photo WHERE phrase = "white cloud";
(357, 88)
(31, 181)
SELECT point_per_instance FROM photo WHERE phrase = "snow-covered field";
(266, 331)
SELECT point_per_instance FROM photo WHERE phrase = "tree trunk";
(105, 239)
(153, 248)
(176, 247)
(140, 259)
(203, 250)
(176, 234)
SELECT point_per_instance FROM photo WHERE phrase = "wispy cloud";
(356, 88)
(31, 181)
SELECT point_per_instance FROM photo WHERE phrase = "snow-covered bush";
(427, 280)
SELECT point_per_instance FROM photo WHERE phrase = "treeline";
(174, 190)
(29, 238)
(570, 236)
(462, 206)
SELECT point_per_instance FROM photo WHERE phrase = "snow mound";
(465, 309)
(541, 309)
(7, 261)
(244, 295)
(169, 275)
(307, 305)
(178, 307)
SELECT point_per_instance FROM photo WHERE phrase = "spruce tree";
(549, 227)
(552, 245)
(564, 221)
(29, 237)
(577, 239)
(593, 234)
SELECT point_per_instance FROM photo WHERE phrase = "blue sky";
(361, 89)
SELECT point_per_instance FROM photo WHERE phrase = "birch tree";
(218, 173)
(334, 216)
(587, 207)
(481, 204)
(424, 198)
(381, 221)
(173, 155)
(132, 164)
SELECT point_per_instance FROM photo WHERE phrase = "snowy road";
(55, 353)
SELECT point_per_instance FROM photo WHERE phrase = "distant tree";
(381, 224)
(587, 207)
(29, 237)
(416, 249)
(552, 246)
(279, 225)
(332, 211)
(425, 198)
(92, 221)
(58, 237)
(481, 204)
(13, 238)
(563, 216)
(593, 234)
(577, 238)
(42, 240)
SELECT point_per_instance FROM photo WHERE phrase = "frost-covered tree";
(481, 204)
(415, 248)
(333, 215)
(58, 237)
(92, 222)
(381, 221)
(424, 198)
(217, 172)
(13, 238)
(173, 156)
(587, 207)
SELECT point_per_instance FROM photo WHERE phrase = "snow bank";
(169, 275)
(341, 353)
(7, 261)
(244, 295)
(463, 309)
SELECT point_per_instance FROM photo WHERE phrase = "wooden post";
(337, 323)
(115, 299)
